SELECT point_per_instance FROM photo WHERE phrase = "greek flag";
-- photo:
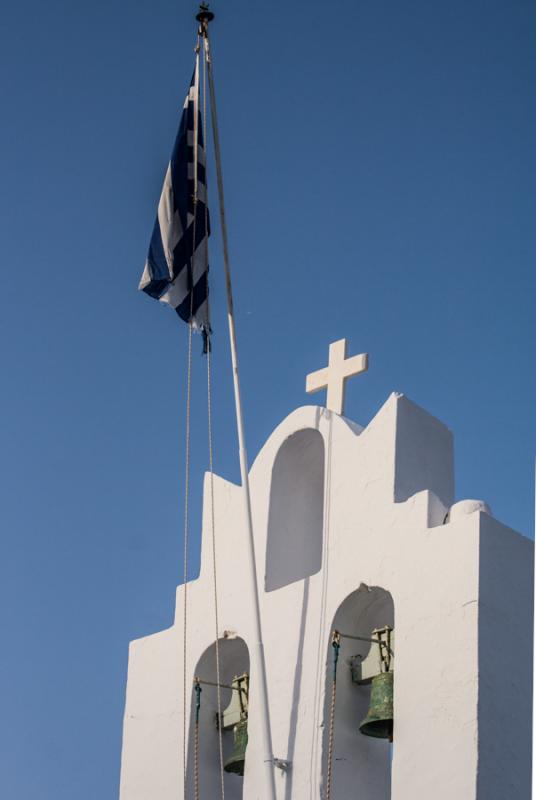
(176, 270)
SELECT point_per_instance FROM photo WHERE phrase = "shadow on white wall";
(295, 520)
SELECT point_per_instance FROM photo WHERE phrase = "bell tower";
(372, 574)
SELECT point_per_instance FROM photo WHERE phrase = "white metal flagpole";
(258, 661)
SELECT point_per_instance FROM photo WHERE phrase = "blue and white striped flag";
(176, 271)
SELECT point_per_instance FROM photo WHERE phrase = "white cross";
(333, 377)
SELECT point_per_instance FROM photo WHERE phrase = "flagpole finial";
(204, 15)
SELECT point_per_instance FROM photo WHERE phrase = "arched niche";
(361, 765)
(234, 660)
(295, 518)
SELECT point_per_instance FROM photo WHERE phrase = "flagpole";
(258, 661)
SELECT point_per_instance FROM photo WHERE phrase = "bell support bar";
(339, 635)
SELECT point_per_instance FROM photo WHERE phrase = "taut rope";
(335, 643)
(211, 473)
(187, 444)
(196, 738)
(185, 554)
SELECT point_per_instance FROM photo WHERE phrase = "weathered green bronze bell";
(379, 720)
(236, 762)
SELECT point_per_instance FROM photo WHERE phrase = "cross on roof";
(333, 377)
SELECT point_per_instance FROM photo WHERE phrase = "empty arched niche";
(295, 519)
(234, 661)
(361, 764)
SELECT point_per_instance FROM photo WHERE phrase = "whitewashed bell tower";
(355, 528)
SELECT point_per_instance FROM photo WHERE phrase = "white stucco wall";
(459, 591)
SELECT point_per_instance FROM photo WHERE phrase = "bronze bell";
(379, 719)
(237, 760)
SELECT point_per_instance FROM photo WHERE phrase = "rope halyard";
(197, 689)
(317, 754)
(185, 554)
(215, 573)
(212, 510)
(187, 443)
(336, 644)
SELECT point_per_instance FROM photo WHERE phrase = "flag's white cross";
(333, 377)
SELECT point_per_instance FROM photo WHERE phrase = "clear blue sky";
(380, 178)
